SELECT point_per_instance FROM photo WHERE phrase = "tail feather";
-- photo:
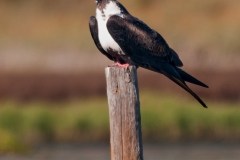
(186, 77)
(178, 76)
(185, 87)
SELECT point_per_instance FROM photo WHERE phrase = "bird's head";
(104, 1)
(110, 7)
(107, 8)
(101, 4)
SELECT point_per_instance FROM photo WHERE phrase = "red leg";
(122, 65)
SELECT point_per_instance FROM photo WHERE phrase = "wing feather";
(93, 26)
(140, 42)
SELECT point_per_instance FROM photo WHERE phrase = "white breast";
(105, 38)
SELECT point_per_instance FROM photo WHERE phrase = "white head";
(107, 8)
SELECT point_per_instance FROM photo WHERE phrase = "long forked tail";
(185, 87)
(179, 78)
(186, 77)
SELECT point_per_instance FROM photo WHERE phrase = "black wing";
(93, 26)
(148, 49)
(140, 42)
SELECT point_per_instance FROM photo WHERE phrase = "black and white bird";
(127, 40)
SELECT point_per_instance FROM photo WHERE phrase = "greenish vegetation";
(164, 118)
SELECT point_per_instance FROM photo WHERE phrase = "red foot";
(122, 65)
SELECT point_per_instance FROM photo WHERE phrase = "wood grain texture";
(124, 111)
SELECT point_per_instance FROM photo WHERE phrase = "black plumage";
(139, 45)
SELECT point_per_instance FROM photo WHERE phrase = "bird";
(127, 40)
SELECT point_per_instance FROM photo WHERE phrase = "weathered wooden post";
(124, 111)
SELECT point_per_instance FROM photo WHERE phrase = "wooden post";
(124, 112)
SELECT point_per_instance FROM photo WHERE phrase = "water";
(176, 151)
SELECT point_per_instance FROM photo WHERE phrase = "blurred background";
(53, 101)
